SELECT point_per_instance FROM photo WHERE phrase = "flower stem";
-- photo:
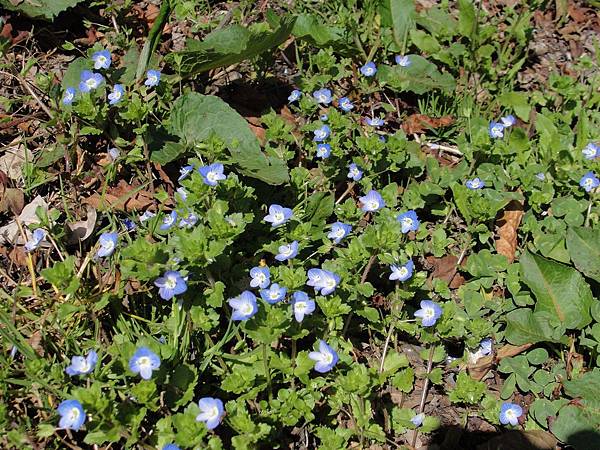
(267, 371)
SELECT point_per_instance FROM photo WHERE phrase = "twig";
(447, 149)
(346, 192)
(29, 258)
(385, 346)
(425, 388)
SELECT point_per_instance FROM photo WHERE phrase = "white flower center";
(273, 294)
(287, 250)
(260, 277)
(108, 245)
(403, 271)
(91, 83)
(328, 358)
(373, 204)
(144, 361)
(100, 60)
(246, 308)
(152, 79)
(340, 232)
(171, 282)
(85, 366)
(74, 414)
(213, 412)
(322, 98)
(211, 176)
(300, 306)
(429, 313)
(407, 222)
(588, 182)
(330, 282)
(278, 217)
(510, 414)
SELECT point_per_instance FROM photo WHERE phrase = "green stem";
(267, 371)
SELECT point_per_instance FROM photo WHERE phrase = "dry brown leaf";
(17, 256)
(508, 224)
(445, 269)
(417, 123)
(81, 230)
(521, 440)
(12, 200)
(483, 365)
(35, 341)
(123, 197)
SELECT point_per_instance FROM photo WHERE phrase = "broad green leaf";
(73, 73)
(583, 245)
(400, 15)
(524, 326)
(466, 17)
(559, 290)
(518, 101)
(420, 77)
(578, 427)
(312, 30)
(39, 9)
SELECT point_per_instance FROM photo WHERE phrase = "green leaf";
(583, 245)
(310, 28)
(560, 290)
(467, 390)
(400, 15)
(420, 77)
(39, 9)
(73, 73)
(466, 17)
(578, 427)
(404, 380)
(518, 101)
(524, 326)
(62, 275)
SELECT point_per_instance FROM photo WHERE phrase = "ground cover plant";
(360, 224)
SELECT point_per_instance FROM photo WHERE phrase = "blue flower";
(372, 201)
(102, 59)
(369, 69)
(295, 95)
(244, 306)
(496, 130)
(169, 221)
(430, 312)
(185, 171)
(108, 243)
(345, 104)
(212, 174)
(339, 231)
(170, 285)
(278, 215)
(475, 183)
(322, 96)
(90, 81)
(39, 234)
(589, 181)
(189, 221)
(82, 365)
(541, 176)
(485, 346)
(114, 153)
(375, 122)
(274, 294)
(72, 415)
(591, 151)
(129, 224)
(408, 221)
(325, 358)
(323, 150)
(510, 413)
(69, 95)
(508, 121)
(287, 251)
(261, 277)
(417, 419)
(402, 273)
(323, 280)
(321, 133)
(152, 78)
(302, 305)
(116, 95)
(354, 172)
(182, 193)
(403, 60)
(211, 412)
(144, 361)
(170, 447)
(324, 117)
(147, 216)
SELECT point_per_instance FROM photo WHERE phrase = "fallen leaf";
(521, 440)
(81, 230)
(508, 224)
(18, 256)
(417, 123)
(10, 233)
(13, 160)
(445, 268)
(12, 200)
(34, 340)
(124, 197)
(483, 365)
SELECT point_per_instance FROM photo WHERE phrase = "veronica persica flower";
(82, 365)
(430, 312)
(72, 415)
(185, 172)
(485, 346)
(590, 151)
(114, 153)
(409, 221)
(189, 221)
(69, 95)
(417, 419)
(129, 224)
(278, 215)
(510, 413)
(345, 104)
(116, 95)
(169, 221)
(403, 61)
(402, 273)
(144, 361)
(325, 358)
(212, 174)
(322, 96)
(170, 284)
(372, 202)
(170, 447)
(321, 133)
(541, 176)
(323, 151)
(147, 216)
(107, 243)
(294, 96)
(369, 69)
(182, 193)
(211, 412)
(323, 280)
(339, 231)
(261, 277)
(90, 81)
(274, 294)
(475, 184)
(287, 251)
(589, 181)
(102, 59)
(324, 117)
(38, 236)
(302, 305)
(354, 172)
(496, 130)
(374, 122)
(244, 306)
(508, 121)
(152, 78)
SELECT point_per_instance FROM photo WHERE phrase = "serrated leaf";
(39, 9)
(583, 245)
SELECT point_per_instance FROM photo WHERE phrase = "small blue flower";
(508, 121)
(325, 358)
(90, 81)
(510, 413)
(274, 294)
(169, 221)
(244, 306)
(261, 277)
(589, 181)
(541, 176)
(39, 234)
(102, 59)
(496, 130)
(485, 346)
(323, 280)
(321, 133)
(72, 415)
(189, 221)
(183, 194)
(114, 153)
(152, 78)
(82, 365)
(475, 184)
(287, 251)
(170, 285)
(322, 96)
(116, 95)
(354, 172)
(147, 216)
(212, 174)
(129, 224)
(278, 215)
(302, 305)
(369, 69)
(372, 202)
(324, 117)
(591, 151)
(69, 95)
(323, 150)
(430, 312)
(170, 447)
(295, 95)
(185, 171)
(345, 104)
(375, 122)
(144, 361)
(108, 243)
(403, 60)
(402, 273)
(211, 412)
(409, 221)
(339, 231)
(417, 419)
